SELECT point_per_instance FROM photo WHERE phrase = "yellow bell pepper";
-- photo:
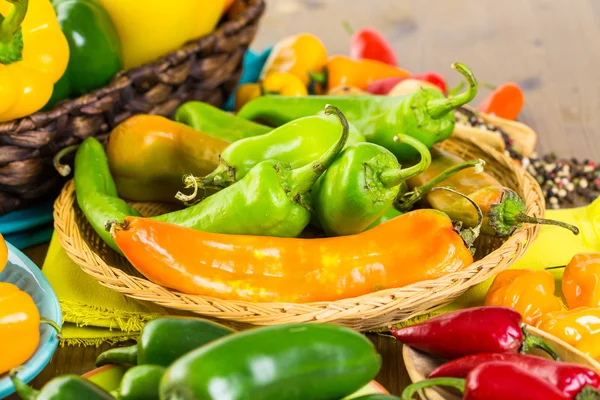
(149, 29)
(3, 253)
(34, 54)
(245, 93)
(572, 326)
(581, 281)
(285, 84)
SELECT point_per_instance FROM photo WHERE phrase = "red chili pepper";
(384, 86)
(506, 101)
(370, 44)
(568, 378)
(473, 330)
(499, 380)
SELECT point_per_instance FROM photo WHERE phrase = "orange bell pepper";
(506, 101)
(258, 268)
(590, 345)
(344, 71)
(245, 93)
(581, 281)
(3, 253)
(531, 293)
(19, 327)
(300, 55)
(572, 326)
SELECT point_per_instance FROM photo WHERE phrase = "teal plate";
(22, 272)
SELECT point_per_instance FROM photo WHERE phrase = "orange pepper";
(300, 55)
(19, 327)
(245, 93)
(506, 101)
(572, 326)
(581, 281)
(3, 253)
(531, 293)
(285, 84)
(258, 268)
(344, 71)
(590, 345)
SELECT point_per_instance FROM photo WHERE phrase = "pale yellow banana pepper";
(149, 29)
(34, 54)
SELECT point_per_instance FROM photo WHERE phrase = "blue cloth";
(252, 66)
(29, 226)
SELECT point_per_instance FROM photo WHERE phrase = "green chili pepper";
(361, 185)
(426, 114)
(94, 48)
(217, 123)
(387, 215)
(158, 345)
(272, 200)
(66, 387)
(377, 396)
(296, 144)
(141, 382)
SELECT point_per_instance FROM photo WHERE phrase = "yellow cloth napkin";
(92, 313)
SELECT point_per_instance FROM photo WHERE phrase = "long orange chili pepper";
(413, 247)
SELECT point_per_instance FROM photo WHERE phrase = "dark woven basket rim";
(125, 77)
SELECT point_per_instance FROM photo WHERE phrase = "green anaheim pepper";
(292, 362)
(271, 200)
(426, 114)
(361, 185)
(65, 387)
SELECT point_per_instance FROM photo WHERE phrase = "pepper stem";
(190, 181)
(348, 27)
(406, 201)
(394, 177)
(534, 342)
(526, 219)
(23, 390)
(556, 267)
(437, 108)
(53, 324)
(304, 178)
(588, 393)
(11, 37)
(468, 235)
(122, 355)
(412, 389)
(63, 169)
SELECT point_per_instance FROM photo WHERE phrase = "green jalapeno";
(271, 200)
(297, 144)
(140, 383)
(66, 387)
(361, 184)
(217, 123)
(426, 114)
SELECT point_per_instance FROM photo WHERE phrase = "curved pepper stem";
(437, 108)
(11, 37)
(526, 219)
(304, 178)
(63, 169)
(534, 342)
(406, 201)
(468, 235)
(394, 177)
(122, 355)
(412, 389)
(23, 390)
(53, 324)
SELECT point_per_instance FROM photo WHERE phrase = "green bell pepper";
(94, 45)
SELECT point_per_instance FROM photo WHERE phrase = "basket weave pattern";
(207, 69)
(370, 311)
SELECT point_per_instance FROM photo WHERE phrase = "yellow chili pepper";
(245, 93)
(3, 253)
(149, 29)
(581, 281)
(572, 326)
(19, 326)
(531, 293)
(285, 84)
(590, 345)
(34, 54)
(300, 55)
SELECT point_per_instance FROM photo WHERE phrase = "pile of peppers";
(485, 349)
(185, 358)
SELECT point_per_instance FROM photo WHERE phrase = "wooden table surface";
(549, 47)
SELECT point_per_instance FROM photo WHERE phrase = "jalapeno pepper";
(217, 123)
(141, 382)
(65, 387)
(272, 199)
(295, 144)
(158, 346)
(426, 115)
(503, 209)
(361, 185)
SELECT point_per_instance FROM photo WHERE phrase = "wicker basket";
(370, 311)
(207, 69)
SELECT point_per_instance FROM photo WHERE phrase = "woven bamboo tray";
(206, 69)
(370, 311)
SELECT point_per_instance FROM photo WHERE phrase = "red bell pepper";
(384, 86)
(370, 44)
(470, 331)
(500, 380)
(506, 101)
(568, 378)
